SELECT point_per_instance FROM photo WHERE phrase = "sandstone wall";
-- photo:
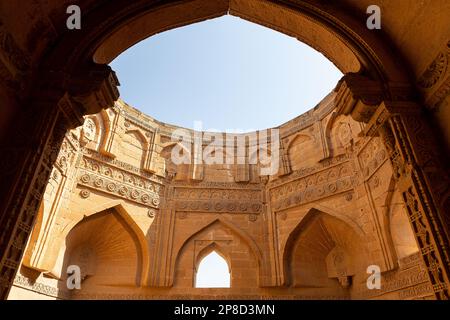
(138, 224)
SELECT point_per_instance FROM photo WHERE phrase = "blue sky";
(226, 72)
(213, 272)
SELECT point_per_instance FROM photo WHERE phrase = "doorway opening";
(213, 272)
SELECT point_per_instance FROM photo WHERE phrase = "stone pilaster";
(26, 194)
(41, 126)
(423, 180)
(419, 169)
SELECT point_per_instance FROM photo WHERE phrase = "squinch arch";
(327, 242)
(136, 232)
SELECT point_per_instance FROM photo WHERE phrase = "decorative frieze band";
(143, 196)
(305, 172)
(216, 194)
(102, 162)
(299, 194)
(219, 206)
(218, 200)
(217, 185)
(324, 183)
(24, 282)
(371, 158)
(406, 284)
(120, 175)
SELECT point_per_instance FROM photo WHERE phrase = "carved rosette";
(113, 187)
(114, 179)
(435, 80)
(333, 180)
(372, 157)
(218, 200)
(219, 206)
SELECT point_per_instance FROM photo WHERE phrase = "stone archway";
(229, 241)
(380, 95)
(216, 248)
(106, 246)
(323, 252)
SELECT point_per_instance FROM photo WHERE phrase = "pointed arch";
(312, 217)
(242, 234)
(297, 137)
(140, 135)
(342, 38)
(141, 150)
(141, 241)
(172, 144)
(205, 252)
(339, 215)
(214, 246)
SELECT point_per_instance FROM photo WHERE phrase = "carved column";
(423, 180)
(33, 148)
(419, 164)
(46, 131)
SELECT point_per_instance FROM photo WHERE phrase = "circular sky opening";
(226, 73)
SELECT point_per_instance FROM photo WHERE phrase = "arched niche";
(342, 132)
(109, 118)
(91, 132)
(323, 252)
(181, 171)
(107, 250)
(134, 148)
(106, 241)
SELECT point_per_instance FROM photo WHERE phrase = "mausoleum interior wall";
(138, 224)
(414, 38)
(424, 22)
